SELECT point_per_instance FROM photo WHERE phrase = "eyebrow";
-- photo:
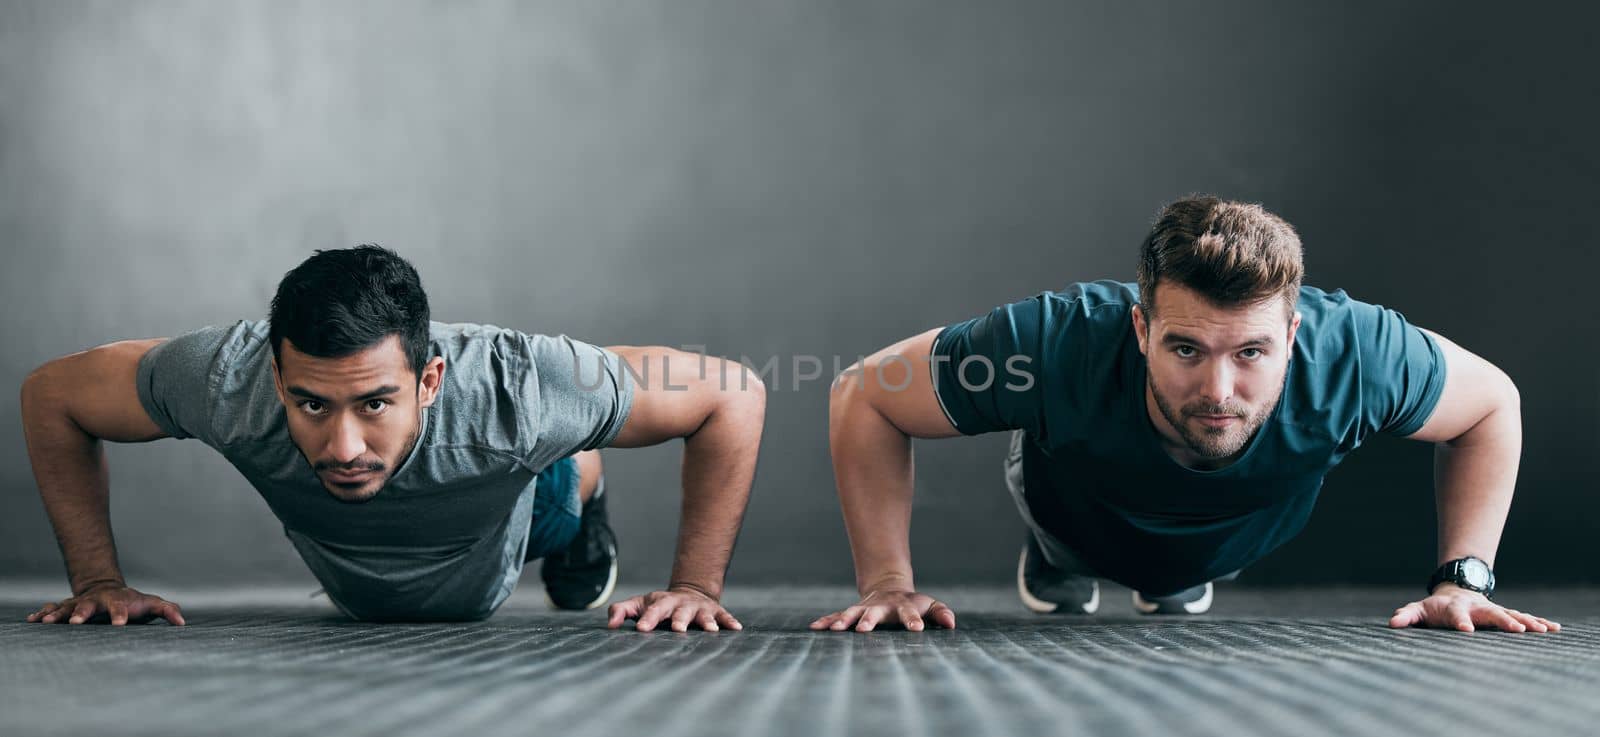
(1173, 338)
(381, 391)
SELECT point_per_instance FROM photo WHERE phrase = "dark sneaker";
(583, 575)
(1194, 600)
(1045, 589)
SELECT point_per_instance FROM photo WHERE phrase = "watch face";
(1475, 572)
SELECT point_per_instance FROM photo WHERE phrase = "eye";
(376, 406)
(311, 406)
(1185, 351)
(1254, 353)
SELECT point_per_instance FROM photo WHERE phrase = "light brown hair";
(1232, 253)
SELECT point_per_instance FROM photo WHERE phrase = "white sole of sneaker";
(605, 593)
(1198, 606)
(611, 585)
(1034, 603)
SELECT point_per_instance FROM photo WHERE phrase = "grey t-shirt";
(445, 538)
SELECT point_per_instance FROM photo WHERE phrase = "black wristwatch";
(1469, 573)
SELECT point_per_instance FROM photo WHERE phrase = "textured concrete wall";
(793, 177)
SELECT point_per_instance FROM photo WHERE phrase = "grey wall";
(781, 178)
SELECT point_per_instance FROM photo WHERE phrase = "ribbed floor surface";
(1268, 663)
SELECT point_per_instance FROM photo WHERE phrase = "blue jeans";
(557, 509)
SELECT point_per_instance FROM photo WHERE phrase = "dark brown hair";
(1232, 253)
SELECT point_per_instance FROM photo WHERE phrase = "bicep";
(97, 391)
(675, 392)
(1473, 389)
(897, 383)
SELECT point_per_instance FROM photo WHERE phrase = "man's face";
(1214, 373)
(356, 418)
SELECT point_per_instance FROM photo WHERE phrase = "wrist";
(885, 582)
(80, 589)
(1467, 574)
(713, 593)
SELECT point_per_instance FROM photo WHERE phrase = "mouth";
(348, 479)
(1215, 420)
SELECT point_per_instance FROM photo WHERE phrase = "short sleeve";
(1402, 371)
(987, 370)
(177, 382)
(584, 396)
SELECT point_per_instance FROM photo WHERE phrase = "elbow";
(1505, 397)
(846, 389)
(1512, 397)
(851, 403)
(745, 392)
(39, 390)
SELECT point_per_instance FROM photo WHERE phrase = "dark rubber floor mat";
(1262, 663)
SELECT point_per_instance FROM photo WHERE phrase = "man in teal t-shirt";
(1169, 432)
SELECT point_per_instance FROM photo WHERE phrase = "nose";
(345, 444)
(1218, 386)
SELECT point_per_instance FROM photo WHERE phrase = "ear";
(1294, 327)
(428, 384)
(1141, 329)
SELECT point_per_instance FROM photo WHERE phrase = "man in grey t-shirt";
(415, 465)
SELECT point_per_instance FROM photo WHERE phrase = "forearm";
(873, 467)
(719, 464)
(1475, 476)
(70, 468)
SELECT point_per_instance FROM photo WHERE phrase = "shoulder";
(232, 365)
(1351, 360)
(1094, 306)
(489, 377)
(1338, 328)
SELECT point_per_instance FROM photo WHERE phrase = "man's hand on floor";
(907, 608)
(682, 607)
(108, 602)
(1454, 607)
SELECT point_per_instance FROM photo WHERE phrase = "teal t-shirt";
(1096, 476)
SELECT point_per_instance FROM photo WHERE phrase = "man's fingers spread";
(942, 615)
(1514, 622)
(706, 620)
(845, 619)
(623, 611)
(727, 620)
(58, 612)
(1531, 622)
(910, 618)
(653, 615)
(1406, 616)
(118, 612)
(682, 618)
(172, 613)
(82, 612)
(1505, 621)
(870, 619)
